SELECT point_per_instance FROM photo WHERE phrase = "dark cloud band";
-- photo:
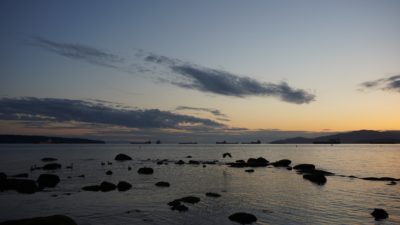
(391, 83)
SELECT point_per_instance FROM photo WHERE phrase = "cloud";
(391, 83)
(228, 84)
(215, 112)
(97, 112)
(80, 52)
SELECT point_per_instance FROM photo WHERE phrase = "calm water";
(275, 196)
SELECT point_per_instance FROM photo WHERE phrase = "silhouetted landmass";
(353, 137)
(28, 139)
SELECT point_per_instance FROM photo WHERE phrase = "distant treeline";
(28, 139)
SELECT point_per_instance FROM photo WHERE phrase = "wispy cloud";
(79, 52)
(64, 110)
(225, 83)
(214, 112)
(391, 83)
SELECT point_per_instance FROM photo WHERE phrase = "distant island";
(28, 139)
(353, 137)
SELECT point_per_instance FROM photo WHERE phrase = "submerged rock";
(194, 162)
(392, 183)
(259, 162)
(315, 178)
(124, 186)
(20, 185)
(91, 188)
(109, 172)
(180, 162)
(122, 157)
(52, 166)
(48, 180)
(381, 178)
(282, 163)
(48, 159)
(48, 220)
(379, 214)
(227, 154)
(249, 171)
(145, 170)
(304, 167)
(107, 186)
(162, 184)
(214, 195)
(180, 208)
(190, 199)
(20, 175)
(243, 218)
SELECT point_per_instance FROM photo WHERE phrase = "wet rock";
(351, 176)
(109, 163)
(48, 159)
(180, 208)
(243, 218)
(289, 168)
(214, 195)
(162, 184)
(129, 168)
(282, 163)
(124, 186)
(190, 199)
(304, 167)
(315, 178)
(20, 185)
(122, 157)
(52, 166)
(189, 156)
(109, 172)
(227, 154)
(180, 162)
(174, 202)
(379, 214)
(48, 180)
(249, 171)
(48, 220)
(381, 178)
(91, 188)
(107, 186)
(145, 170)
(237, 164)
(392, 183)
(259, 162)
(82, 176)
(194, 162)
(20, 175)
(3, 176)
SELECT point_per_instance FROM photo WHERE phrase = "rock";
(392, 183)
(20, 185)
(243, 218)
(129, 168)
(52, 166)
(379, 214)
(109, 172)
(82, 176)
(189, 156)
(304, 167)
(180, 208)
(315, 178)
(3, 176)
(180, 162)
(122, 157)
(124, 186)
(48, 159)
(249, 171)
(227, 154)
(91, 188)
(190, 199)
(380, 178)
(162, 184)
(194, 162)
(20, 175)
(48, 220)
(322, 172)
(282, 163)
(238, 164)
(107, 186)
(259, 162)
(48, 180)
(289, 168)
(214, 195)
(174, 202)
(145, 170)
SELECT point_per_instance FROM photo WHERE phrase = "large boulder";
(52, 166)
(282, 163)
(379, 214)
(304, 167)
(122, 157)
(124, 186)
(48, 180)
(315, 178)
(107, 186)
(145, 170)
(259, 162)
(243, 218)
(48, 220)
(20, 185)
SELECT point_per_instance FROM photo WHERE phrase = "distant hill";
(27, 139)
(353, 137)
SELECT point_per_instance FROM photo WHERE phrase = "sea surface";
(273, 195)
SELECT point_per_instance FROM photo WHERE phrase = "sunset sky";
(204, 70)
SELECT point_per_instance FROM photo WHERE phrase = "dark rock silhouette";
(3, 176)
(243, 218)
(392, 183)
(124, 186)
(48, 159)
(190, 199)
(48, 220)
(52, 166)
(162, 184)
(180, 162)
(20, 185)
(145, 170)
(91, 188)
(194, 162)
(304, 167)
(82, 176)
(129, 168)
(381, 178)
(107, 186)
(315, 178)
(227, 154)
(20, 175)
(249, 171)
(282, 163)
(48, 180)
(379, 214)
(180, 208)
(109, 172)
(212, 194)
(189, 156)
(122, 157)
(259, 162)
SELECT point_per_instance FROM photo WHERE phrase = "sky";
(198, 70)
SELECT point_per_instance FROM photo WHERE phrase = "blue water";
(273, 195)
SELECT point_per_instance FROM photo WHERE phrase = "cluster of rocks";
(28, 186)
(178, 205)
(108, 186)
